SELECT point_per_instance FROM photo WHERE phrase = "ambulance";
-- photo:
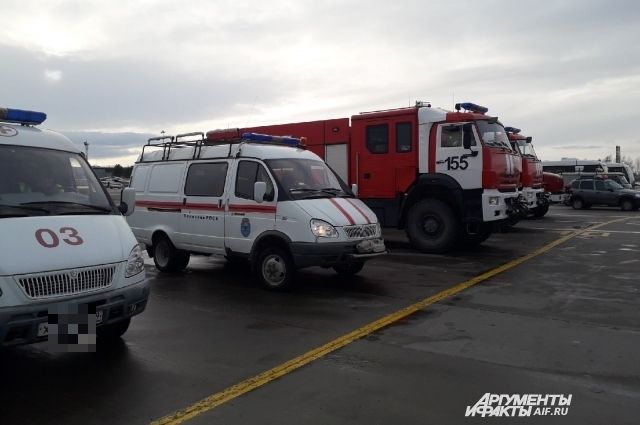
(254, 197)
(64, 245)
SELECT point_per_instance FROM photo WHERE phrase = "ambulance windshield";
(306, 178)
(35, 181)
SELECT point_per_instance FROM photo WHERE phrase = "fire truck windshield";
(493, 134)
(526, 149)
(306, 178)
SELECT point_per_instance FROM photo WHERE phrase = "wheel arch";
(432, 186)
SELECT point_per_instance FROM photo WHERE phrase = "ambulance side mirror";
(127, 201)
(354, 189)
(259, 189)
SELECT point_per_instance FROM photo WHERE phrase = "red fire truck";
(533, 193)
(447, 178)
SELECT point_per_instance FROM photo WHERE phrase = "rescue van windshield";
(493, 134)
(36, 181)
(306, 178)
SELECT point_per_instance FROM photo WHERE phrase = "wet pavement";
(564, 322)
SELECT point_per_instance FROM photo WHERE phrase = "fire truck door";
(453, 159)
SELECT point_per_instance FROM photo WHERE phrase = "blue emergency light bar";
(266, 138)
(472, 107)
(512, 130)
(22, 117)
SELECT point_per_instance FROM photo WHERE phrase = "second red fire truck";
(446, 177)
(533, 193)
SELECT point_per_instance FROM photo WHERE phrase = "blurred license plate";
(43, 328)
(370, 246)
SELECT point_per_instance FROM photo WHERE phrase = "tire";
(540, 211)
(275, 269)
(470, 240)
(577, 204)
(349, 269)
(113, 331)
(627, 205)
(432, 226)
(167, 257)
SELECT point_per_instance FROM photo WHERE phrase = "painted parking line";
(257, 381)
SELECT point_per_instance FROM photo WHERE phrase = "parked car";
(588, 192)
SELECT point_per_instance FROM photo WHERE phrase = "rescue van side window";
(378, 138)
(403, 137)
(206, 179)
(250, 172)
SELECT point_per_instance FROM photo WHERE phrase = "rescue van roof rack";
(216, 138)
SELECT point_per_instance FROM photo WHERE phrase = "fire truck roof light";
(22, 117)
(472, 107)
(266, 138)
(512, 130)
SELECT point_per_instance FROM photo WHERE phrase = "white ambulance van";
(64, 245)
(258, 197)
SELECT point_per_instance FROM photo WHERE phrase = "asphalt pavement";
(564, 320)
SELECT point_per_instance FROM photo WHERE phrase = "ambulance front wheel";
(349, 269)
(275, 268)
(113, 331)
(167, 257)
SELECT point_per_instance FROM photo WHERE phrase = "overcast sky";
(566, 72)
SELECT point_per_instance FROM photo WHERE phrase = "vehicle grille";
(67, 282)
(362, 231)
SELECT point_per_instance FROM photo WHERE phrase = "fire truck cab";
(445, 177)
(534, 196)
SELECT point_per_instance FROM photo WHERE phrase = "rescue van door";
(246, 219)
(202, 224)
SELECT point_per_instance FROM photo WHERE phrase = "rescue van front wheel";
(275, 269)
(432, 226)
(540, 211)
(167, 257)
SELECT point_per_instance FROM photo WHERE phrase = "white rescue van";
(258, 197)
(64, 245)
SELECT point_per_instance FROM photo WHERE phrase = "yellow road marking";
(263, 378)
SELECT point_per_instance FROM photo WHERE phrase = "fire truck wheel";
(540, 211)
(167, 257)
(348, 269)
(432, 226)
(113, 331)
(275, 269)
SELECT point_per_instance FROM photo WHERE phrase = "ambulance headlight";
(494, 200)
(322, 229)
(135, 263)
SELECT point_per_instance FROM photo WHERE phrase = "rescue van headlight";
(494, 200)
(322, 229)
(135, 263)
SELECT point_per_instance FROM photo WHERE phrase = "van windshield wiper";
(95, 207)
(5, 207)
(313, 193)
